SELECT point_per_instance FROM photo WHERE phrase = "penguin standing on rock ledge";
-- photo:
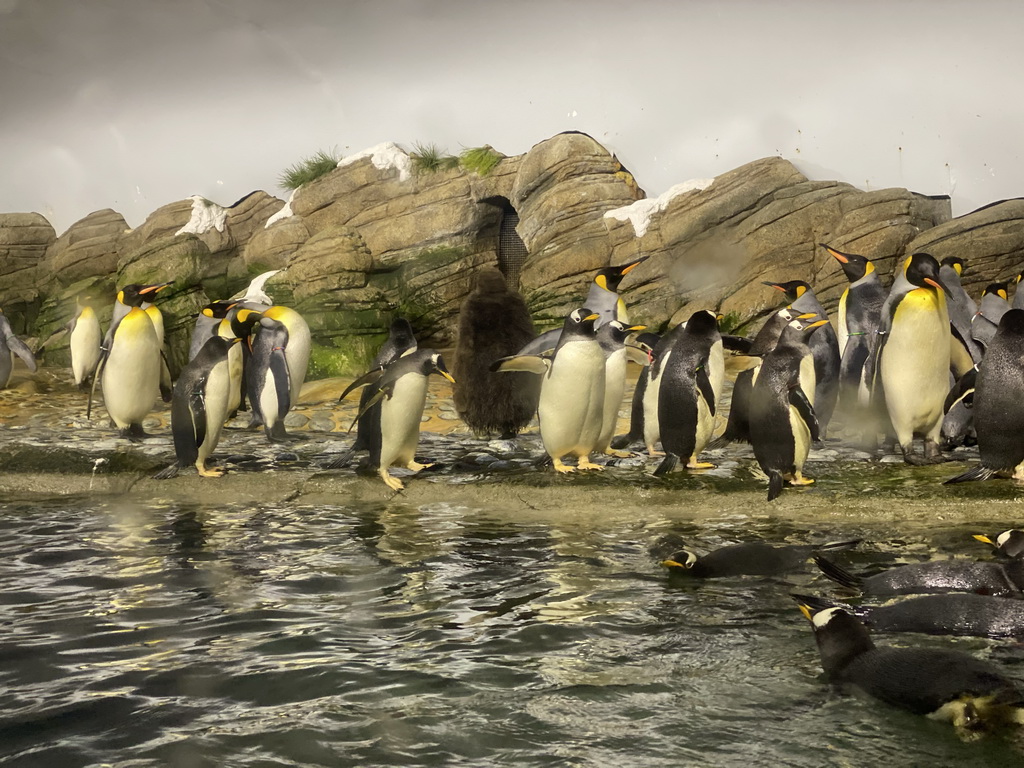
(11, 345)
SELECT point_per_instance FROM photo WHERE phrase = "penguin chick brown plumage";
(749, 559)
(493, 323)
(946, 685)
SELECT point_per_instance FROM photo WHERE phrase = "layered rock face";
(373, 239)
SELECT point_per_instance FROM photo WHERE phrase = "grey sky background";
(131, 104)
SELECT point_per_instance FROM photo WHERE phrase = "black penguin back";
(999, 392)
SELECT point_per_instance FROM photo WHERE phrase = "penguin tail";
(341, 462)
(167, 472)
(620, 442)
(667, 465)
(974, 473)
(837, 574)
(835, 546)
(719, 442)
(775, 484)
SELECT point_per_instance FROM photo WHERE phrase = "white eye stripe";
(821, 618)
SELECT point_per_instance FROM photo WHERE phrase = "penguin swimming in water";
(910, 375)
(782, 418)
(997, 413)
(85, 340)
(494, 322)
(950, 613)
(612, 338)
(993, 306)
(401, 395)
(200, 406)
(130, 361)
(998, 579)
(945, 685)
(690, 385)
(824, 346)
(572, 391)
(602, 299)
(11, 345)
(750, 559)
(1008, 543)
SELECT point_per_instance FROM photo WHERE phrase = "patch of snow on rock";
(284, 213)
(384, 156)
(205, 216)
(640, 212)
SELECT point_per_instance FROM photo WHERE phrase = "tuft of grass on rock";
(730, 323)
(308, 169)
(480, 160)
(427, 158)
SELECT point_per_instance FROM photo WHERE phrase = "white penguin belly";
(801, 438)
(218, 392)
(652, 428)
(85, 347)
(572, 400)
(268, 401)
(400, 420)
(235, 361)
(614, 389)
(705, 426)
(131, 374)
(843, 332)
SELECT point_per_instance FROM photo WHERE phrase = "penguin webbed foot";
(277, 434)
(584, 462)
(211, 471)
(416, 466)
(561, 467)
(135, 433)
(391, 481)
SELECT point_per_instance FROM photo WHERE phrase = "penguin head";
(703, 323)
(854, 265)
(616, 332)
(609, 278)
(218, 309)
(136, 294)
(997, 289)
(243, 321)
(681, 561)
(490, 280)
(922, 270)
(400, 334)
(805, 324)
(792, 289)
(1009, 543)
(953, 262)
(435, 364)
(580, 322)
(1012, 323)
(841, 637)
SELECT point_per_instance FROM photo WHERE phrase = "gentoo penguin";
(612, 338)
(751, 559)
(1008, 543)
(983, 578)
(85, 340)
(130, 361)
(11, 345)
(493, 322)
(993, 306)
(200, 405)
(645, 343)
(910, 376)
(268, 379)
(958, 410)
(207, 321)
(690, 385)
(859, 317)
(782, 418)
(401, 396)
(299, 343)
(965, 351)
(997, 412)
(953, 613)
(572, 391)
(660, 356)
(951, 686)
(602, 299)
(824, 347)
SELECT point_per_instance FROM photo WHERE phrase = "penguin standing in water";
(11, 345)
(85, 340)
(572, 391)
(130, 361)
(993, 306)
(401, 396)
(824, 347)
(200, 406)
(690, 385)
(782, 420)
(910, 377)
(612, 338)
(946, 685)
(493, 323)
(268, 380)
(997, 412)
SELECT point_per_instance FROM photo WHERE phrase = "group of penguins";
(979, 598)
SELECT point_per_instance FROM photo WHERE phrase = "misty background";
(131, 105)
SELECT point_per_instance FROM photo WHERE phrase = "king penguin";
(782, 419)
(990, 311)
(299, 344)
(572, 391)
(401, 395)
(945, 685)
(824, 346)
(130, 361)
(207, 322)
(910, 378)
(997, 410)
(690, 385)
(85, 339)
(200, 405)
(268, 379)
(965, 351)
(11, 345)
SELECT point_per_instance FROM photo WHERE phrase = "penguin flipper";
(543, 343)
(370, 377)
(282, 382)
(775, 484)
(386, 390)
(528, 363)
(165, 378)
(963, 390)
(705, 388)
(837, 574)
(18, 347)
(104, 354)
(974, 473)
(803, 406)
(835, 546)
(739, 344)
(636, 354)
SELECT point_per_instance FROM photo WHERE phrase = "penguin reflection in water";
(951, 686)
(390, 420)
(571, 393)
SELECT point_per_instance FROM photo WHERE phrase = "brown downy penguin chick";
(493, 323)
